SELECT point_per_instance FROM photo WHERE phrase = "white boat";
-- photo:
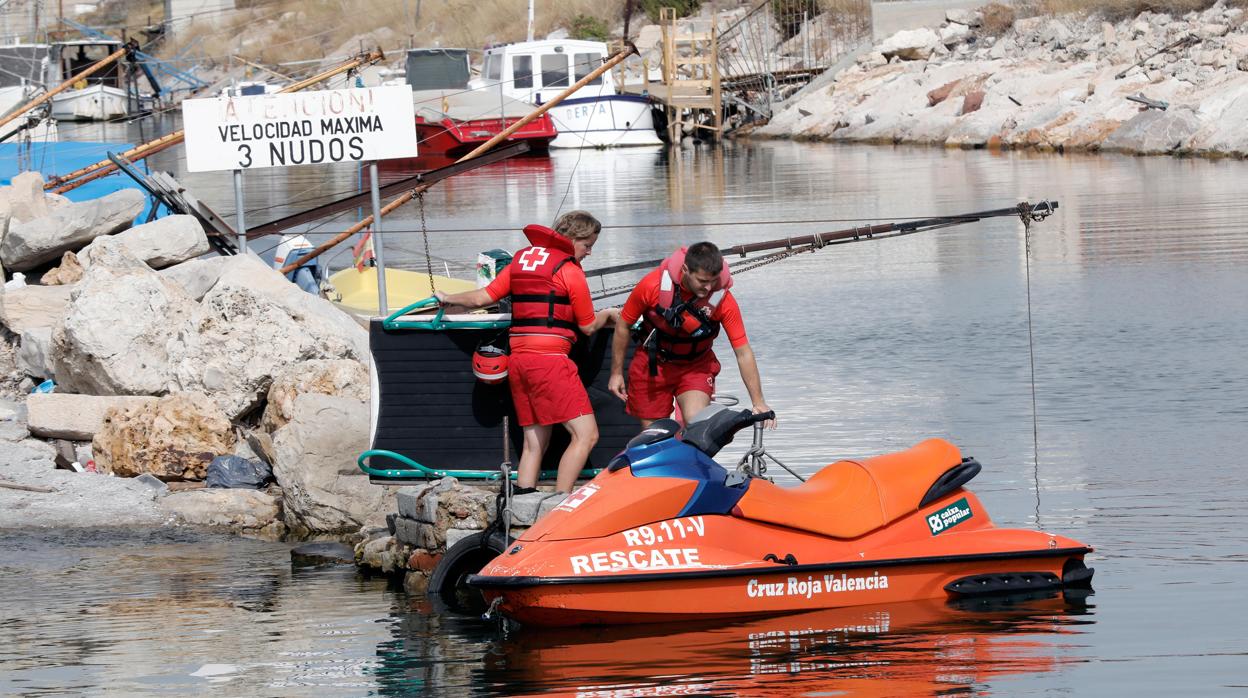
(90, 103)
(100, 96)
(33, 126)
(595, 116)
(247, 88)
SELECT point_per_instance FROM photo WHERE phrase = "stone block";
(419, 535)
(32, 307)
(526, 509)
(419, 503)
(232, 508)
(74, 417)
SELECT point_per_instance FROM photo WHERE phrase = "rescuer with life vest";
(550, 304)
(682, 306)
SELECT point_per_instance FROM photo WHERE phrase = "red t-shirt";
(570, 280)
(646, 295)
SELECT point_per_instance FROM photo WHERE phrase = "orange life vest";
(538, 307)
(680, 330)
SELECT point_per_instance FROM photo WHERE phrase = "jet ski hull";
(665, 534)
(720, 566)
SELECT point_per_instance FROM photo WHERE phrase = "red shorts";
(653, 397)
(546, 389)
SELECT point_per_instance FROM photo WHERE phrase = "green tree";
(684, 8)
(588, 27)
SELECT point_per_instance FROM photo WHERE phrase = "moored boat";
(452, 120)
(99, 97)
(595, 116)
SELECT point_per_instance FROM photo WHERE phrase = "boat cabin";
(535, 71)
(73, 57)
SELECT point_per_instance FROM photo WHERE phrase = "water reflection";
(1139, 291)
(919, 648)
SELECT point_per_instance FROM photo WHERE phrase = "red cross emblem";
(533, 258)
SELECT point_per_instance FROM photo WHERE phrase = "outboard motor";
(292, 249)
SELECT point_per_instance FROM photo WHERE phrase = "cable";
(1031, 349)
(580, 151)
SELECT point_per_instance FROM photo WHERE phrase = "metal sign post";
(375, 195)
(240, 225)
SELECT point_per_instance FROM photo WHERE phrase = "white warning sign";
(299, 128)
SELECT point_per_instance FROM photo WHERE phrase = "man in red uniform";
(682, 306)
(550, 304)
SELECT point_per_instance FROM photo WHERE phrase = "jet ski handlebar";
(712, 433)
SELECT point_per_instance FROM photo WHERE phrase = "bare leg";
(584, 431)
(645, 423)
(692, 402)
(536, 439)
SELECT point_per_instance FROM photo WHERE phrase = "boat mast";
(530, 21)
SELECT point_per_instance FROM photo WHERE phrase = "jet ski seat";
(850, 498)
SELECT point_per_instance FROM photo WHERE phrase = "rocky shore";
(1155, 84)
(165, 365)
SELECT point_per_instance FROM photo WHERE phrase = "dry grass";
(290, 30)
(998, 18)
(1117, 10)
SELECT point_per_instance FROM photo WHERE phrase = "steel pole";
(375, 194)
(240, 224)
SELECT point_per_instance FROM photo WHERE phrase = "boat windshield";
(555, 70)
(438, 69)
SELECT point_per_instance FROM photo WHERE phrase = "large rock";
(70, 271)
(954, 34)
(30, 307)
(75, 417)
(968, 18)
(1155, 132)
(69, 227)
(198, 276)
(314, 462)
(26, 198)
(250, 326)
(132, 331)
(166, 241)
(115, 339)
(343, 377)
(173, 438)
(910, 44)
(223, 508)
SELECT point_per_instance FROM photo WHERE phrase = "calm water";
(1139, 303)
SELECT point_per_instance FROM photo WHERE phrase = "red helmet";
(489, 365)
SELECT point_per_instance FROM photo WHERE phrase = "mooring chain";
(424, 232)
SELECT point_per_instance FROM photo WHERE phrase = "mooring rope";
(1025, 213)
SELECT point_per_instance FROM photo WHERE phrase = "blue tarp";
(62, 158)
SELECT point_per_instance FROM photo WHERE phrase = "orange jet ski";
(665, 533)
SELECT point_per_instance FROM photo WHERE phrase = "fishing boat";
(99, 97)
(595, 116)
(451, 119)
(35, 126)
